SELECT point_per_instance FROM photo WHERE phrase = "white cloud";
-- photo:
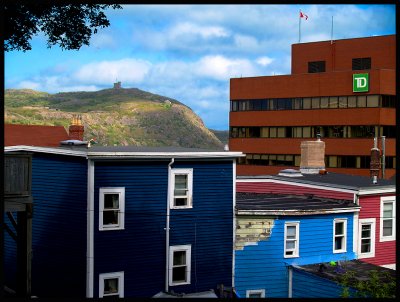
(106, 72)
(28, 85)
(205, 32)
(264, 61)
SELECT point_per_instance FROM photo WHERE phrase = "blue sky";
(189, 52)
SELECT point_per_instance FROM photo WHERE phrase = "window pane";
(365, 231)
(281, 132)
(362, 102)
(111, 201)
(110, 217)
(272, 132)
(373, 101)
(180, 258)
(324, 102)
(179, 274)
(180, 202)
(264, 131)
(255, 295)
(291, 232)
(180, 181)
(339, 228)
(387, 227)
(290, 245)
(306, 103)
(315, 103)
(365, 245)
(387, 210)
(352, 101)
(306, 131)
(333, 102)
(111, 286)
(339, 243)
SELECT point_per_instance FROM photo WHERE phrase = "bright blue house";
(276, 232)
(129, 221)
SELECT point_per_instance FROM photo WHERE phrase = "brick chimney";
(312, 157)
(76, 129)
(375, 164)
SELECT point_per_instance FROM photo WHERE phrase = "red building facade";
(342, 90)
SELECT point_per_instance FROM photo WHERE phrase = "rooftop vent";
(73, 142)
(290, 173)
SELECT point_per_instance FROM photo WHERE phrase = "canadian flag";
(303, 15)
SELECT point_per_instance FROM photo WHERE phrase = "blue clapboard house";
(128, 221)
(276, 234)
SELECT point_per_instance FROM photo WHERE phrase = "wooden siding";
(139, 249)
(307, 285)
(385, 252)
(263, 266)
(10, 254)
(280, 188)
(59, 186)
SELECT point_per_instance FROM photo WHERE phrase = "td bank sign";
(360, 82)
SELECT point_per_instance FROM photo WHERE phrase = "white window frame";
(297, 239)
(388, 199)
(189, 195)
(176, 248)
(372, 222)
(114, 275)
(255, 291)
(344, 247)
(121, 213)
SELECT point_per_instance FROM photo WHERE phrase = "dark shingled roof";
(361, 269)
(280, 202)
(330, 179)
(147, 149)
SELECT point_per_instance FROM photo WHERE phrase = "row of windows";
(325, 102)
(313, 131)
(331, 161)
(112, 200)
(357, 64)
(366, 238)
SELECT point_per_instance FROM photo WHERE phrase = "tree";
(69, 25)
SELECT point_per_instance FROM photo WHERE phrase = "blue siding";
(139, 249)
(59, 186)
(10, 254)
(307, 285)
(263, 266)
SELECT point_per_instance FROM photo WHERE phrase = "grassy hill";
(113, 116)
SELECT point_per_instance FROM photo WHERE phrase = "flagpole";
(299, 25)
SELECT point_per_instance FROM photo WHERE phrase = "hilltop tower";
(117, 85)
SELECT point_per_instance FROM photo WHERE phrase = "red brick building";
(343, 90)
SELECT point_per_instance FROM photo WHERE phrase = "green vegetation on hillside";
(114, 116)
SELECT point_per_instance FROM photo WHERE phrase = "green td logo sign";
(360, 82)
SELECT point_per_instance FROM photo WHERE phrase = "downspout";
(167, 227)
(290, 281)
(234, 223)
(90, 231)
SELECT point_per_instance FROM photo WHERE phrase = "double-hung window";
(339, 235)
(366, 241)
(387, 221)
(179, 264)
(111, 208)
(111, 284)
(182, 188)
(291, 239)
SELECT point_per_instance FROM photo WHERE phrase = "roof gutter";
(296, 212)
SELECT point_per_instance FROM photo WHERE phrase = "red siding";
(385, 252)
(273, 187)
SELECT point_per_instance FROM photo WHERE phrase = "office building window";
(361, 63)
(316, 66)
